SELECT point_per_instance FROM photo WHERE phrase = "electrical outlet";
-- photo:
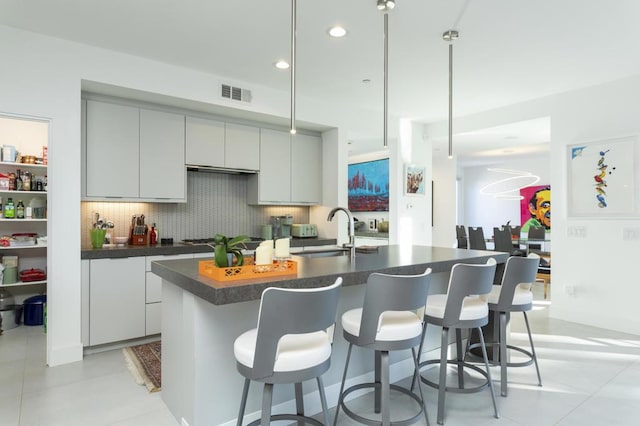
(570, 290)
(577, 232)
(631, 234)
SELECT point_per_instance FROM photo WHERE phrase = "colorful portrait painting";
(369, 186)
(535, 207)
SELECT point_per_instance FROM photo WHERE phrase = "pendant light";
(293, 66)
(450, 36)
(385, 6)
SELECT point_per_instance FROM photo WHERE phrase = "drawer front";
(153, 318)
(166, 257)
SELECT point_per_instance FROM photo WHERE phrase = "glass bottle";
(9, 211)
(20, 210)
(12, 181)
(26, 181)
(19, 185)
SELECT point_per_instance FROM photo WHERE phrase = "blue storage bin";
(34, 310)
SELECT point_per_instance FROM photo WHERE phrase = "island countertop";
(321, 271)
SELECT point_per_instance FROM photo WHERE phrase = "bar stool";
(291, 344)
(514, 295)
(386, 322)
(461, 308)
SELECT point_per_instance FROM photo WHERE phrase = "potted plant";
(225, 249)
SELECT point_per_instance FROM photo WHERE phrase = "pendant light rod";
(386, 80)
(293, 66)
(450, 36)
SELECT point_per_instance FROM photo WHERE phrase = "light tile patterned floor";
(590, 377)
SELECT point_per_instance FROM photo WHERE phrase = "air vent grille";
(235, 93)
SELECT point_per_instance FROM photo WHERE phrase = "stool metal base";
(299, 419)
(376, 422)
(496, 361)
(455, 362)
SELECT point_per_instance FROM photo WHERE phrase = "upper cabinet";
(290, 170)
(133, 154)
(217, 144)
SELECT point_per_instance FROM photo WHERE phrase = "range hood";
(210, 169)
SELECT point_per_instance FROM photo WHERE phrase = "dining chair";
(502, 240)
(461, 237)
(476, 239)
(536, 233)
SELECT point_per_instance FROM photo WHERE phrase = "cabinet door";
(274, 178)
(112, 154)
(117, 300)
(306, 169)
(162, 171)
(204, 142)
(242, 147)
(153, 314)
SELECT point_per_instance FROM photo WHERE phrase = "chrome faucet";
(351, 245)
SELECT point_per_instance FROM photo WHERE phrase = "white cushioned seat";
(521, 296)
(392, 326)
(295, 351)
(473, 307)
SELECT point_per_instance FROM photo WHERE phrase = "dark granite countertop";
(321, 271)
(132, 251)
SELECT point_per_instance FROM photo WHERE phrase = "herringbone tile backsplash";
(216, 203)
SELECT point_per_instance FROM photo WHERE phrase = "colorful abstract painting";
(602, 178)
(369, 186)
(535, 207)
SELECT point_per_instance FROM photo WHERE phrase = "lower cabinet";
(116, 299)
(121, 299)
(153, 293)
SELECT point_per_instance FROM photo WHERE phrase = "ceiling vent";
(235, 93)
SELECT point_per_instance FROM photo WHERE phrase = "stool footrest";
(475, 358)
(376, 422)
(455, 362)
(299, 418)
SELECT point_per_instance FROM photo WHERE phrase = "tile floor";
(591, 376)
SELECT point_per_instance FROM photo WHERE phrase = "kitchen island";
(202, 317)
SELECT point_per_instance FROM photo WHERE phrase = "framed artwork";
(601, 178)
(369, 186)
(414, 179)
(535, 207)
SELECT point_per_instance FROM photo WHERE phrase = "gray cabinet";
(133, 154)
(217, 144)
(153, 293)
(204, 142)
(162, 171)
(290, 170)
(306, 169)
(116, 300)
(112, 155)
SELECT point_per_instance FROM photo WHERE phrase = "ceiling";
(508, 51)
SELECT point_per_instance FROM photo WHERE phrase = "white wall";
(487, 211)
(42, 77)
(593, 277)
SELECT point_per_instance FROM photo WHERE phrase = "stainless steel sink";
(323, 253)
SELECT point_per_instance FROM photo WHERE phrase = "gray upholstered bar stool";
(461, 308)
(387, 322)
(291, 344)
(514, 295)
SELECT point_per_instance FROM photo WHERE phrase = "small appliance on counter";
(281, 226)
(304, 230)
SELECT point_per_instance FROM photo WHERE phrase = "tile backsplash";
(216, 203)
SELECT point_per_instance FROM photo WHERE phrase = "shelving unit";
(30, 138)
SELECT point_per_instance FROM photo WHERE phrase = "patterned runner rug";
(144, 362)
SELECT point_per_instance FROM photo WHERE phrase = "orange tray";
(248, 271)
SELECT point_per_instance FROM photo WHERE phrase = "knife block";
(139, 239)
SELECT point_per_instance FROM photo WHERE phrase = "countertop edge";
(183, 273)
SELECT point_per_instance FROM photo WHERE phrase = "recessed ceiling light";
(337, 31)
(282, 64)
(366, 80)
